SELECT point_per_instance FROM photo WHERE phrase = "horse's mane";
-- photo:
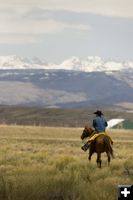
(89, 129)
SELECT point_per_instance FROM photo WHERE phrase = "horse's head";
(87, 132)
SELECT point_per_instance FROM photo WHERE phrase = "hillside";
(55, 116)
(74, 83)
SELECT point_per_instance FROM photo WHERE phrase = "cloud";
(24, 26)
(14, 18)
(119, 8)
(12, 22)
(18, 39)
(21, 28)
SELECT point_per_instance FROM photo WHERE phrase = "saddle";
(93, 137)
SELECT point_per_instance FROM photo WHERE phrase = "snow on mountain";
(90, 64)
(95, 64)
(15, 62)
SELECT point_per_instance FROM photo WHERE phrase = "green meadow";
(42, 163)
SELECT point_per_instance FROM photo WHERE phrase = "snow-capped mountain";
(15, 62)
(73, 83)
(89, 64)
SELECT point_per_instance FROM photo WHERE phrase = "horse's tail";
(109, 146)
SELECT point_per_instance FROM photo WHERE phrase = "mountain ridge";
(89, 64)
(73, 83)
(63, 88)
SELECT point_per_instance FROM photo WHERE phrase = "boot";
(85, 147)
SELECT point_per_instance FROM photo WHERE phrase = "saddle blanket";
(98, 134)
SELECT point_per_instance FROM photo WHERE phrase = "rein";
(92, 133)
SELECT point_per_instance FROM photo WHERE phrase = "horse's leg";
(99, 162)
(91, 151)
(90, 154)
(108, 155)
(97, 159)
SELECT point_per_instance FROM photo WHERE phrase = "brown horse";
(100, 144)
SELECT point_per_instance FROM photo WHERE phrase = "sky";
(59, 29)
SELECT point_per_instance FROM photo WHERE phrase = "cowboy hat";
(98, 112)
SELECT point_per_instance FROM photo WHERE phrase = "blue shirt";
(100, 123)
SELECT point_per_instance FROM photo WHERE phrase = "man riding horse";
(99, 124)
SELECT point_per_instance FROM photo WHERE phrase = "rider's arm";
(106, 124)
(94, 123)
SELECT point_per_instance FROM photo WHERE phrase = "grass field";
(41, 163)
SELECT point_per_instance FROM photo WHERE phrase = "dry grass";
(41, 163)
